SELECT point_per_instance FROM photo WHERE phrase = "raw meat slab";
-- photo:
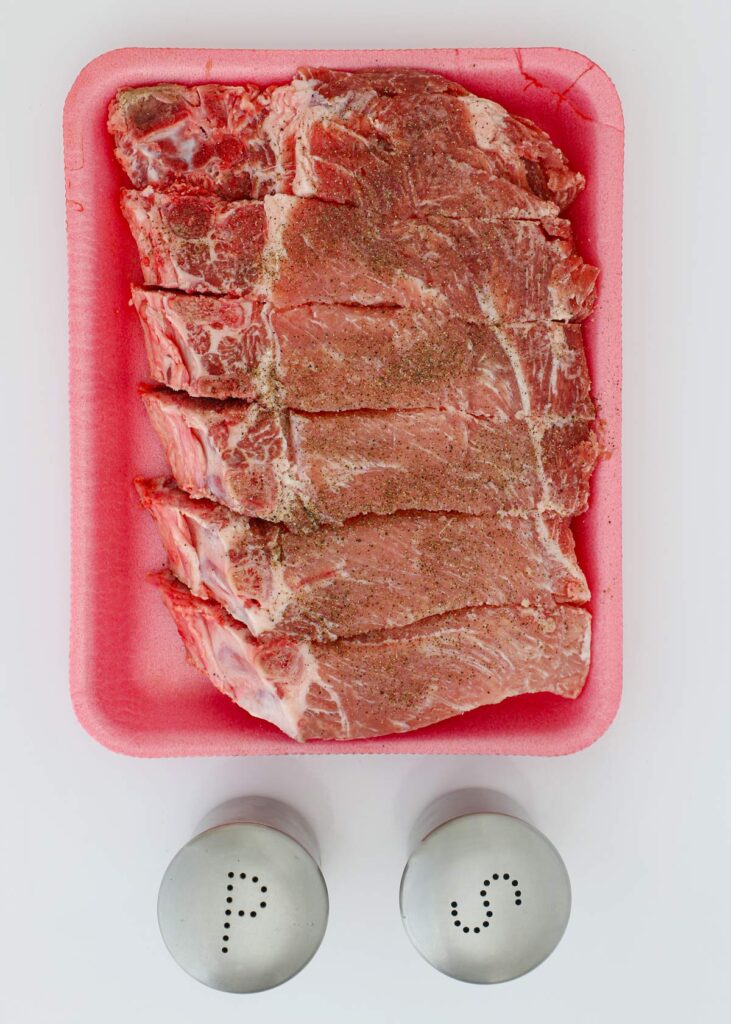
(375, 572)
(381, 683)
(423, 148)
(321, 358)
(291, 251)
(130, 683)
(310, 469)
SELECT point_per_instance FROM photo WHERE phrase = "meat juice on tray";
(361, 310)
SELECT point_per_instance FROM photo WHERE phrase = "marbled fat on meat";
(291, 251)
(389, 681)
(380, 422)
(396, 141)
(374, 572)
(196, 137)
(322, 358)
(308, 469)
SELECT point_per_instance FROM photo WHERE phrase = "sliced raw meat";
(335, 84)
(323, 358)
(375, 572)
(405, 141)
(389, 681)
(306, 469)
(291, 251)
(167, 134)
(354, 140)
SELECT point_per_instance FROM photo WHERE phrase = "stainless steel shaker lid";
(242, 907)
(485, 898)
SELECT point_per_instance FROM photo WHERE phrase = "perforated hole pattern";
(515, 892)
(249, 895)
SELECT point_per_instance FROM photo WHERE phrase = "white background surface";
(642, 818)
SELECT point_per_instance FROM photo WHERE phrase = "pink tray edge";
(568, 78)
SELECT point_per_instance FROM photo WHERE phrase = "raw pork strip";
(167, 134)
(388, 681)
(292, 251)
(519, 149)
(410, 154)
(404, 141)
(375, 572)
(307, 469)
(331, 358)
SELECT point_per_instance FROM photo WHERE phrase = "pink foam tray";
(130, 684)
